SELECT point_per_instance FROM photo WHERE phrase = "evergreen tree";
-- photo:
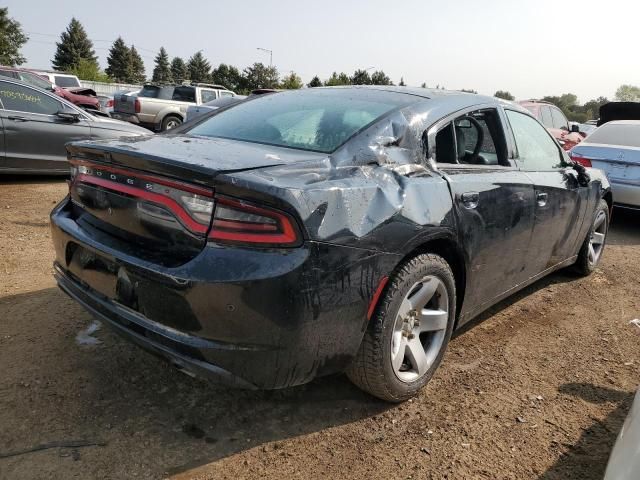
(424, 85)
(11, 40)
(73, 46)
(178, 70)
(380, 78)
(199, 68)
(162, 70)
(136, 67)
(335, 80)
(260, 76)
(229, 77)
(118, 61)
(402, 84)
(361, 77)
(315, 82)
(504, 95)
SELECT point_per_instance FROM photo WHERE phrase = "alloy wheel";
(420, 328)
(598, 234)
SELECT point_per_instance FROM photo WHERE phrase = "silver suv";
(163, 107)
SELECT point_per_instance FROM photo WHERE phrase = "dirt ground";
(537, 388)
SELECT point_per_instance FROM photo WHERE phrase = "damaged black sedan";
(323, 230)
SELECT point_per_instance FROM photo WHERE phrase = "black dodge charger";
(323, 230)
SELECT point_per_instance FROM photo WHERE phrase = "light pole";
(270, 52)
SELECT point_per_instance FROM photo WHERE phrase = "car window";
(547, 119)
(226, 94)
(35, 80)
(313, 119)
(184, 94)
(207, 95)
(66, 82)
(620, 134)
(559, 120)
(472, 139)
(8, 73)
(536, 149)
(24, 99)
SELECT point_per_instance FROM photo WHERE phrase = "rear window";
(627, 135)
(66, 82)
(315, 120)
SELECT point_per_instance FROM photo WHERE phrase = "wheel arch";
(450, 250)
(608, 197)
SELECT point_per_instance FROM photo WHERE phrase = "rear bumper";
(245, 317)
(626, 194)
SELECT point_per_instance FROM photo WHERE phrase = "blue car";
(615, 148)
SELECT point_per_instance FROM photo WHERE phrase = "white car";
(63, 80)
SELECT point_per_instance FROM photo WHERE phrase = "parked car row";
(163, 107)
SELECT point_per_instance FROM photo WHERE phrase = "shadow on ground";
(625, 227)
(587, 458)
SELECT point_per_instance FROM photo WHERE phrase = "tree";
(424, 85)
(628, 93)
(469, 91)
(380, 78)
(361, 77)
(88, 70)
(118, 61)
(592, 107)
(315, 82)
(162, 70)
(260, 76)
(199, 68)
(135, 71)
(73, 46)
(402, 84)
(178, 70)
(503, 94)
(335, 80)
(228, 76)
(11, 40)
(291, 81)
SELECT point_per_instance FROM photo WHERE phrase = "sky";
(531, 48)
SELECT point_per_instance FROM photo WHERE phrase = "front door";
(493, 202)
(560, 200)
(34, 136)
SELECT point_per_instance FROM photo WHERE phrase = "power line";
(92, 39)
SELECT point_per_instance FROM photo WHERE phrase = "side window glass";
(536, 149)
(445, 145)
(207, 95)
(184, 94)
(226, 94)
(547, 121)
(559, 120)
(23, 99)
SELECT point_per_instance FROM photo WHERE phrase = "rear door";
(34, 135)
(560, 201)
(207, 95)
(493, 202)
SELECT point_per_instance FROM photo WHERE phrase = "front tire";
(170, 122)
(593, 246)
(409, 331)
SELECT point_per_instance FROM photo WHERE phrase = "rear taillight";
(110, 103)
(584, 161)
(237, 221)
(191, 204)
(137, 106)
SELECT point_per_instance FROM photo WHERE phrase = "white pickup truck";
(163, 107)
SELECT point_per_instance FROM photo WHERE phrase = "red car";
(83, 97)
(555, 121)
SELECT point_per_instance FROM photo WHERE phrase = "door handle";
(470, 199)
(542, 198)
(16, 118)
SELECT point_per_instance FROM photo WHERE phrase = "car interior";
(475, 138)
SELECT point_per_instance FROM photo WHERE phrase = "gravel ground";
(536, 388)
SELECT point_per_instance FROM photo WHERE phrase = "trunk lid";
(154, 196)
(620, 163)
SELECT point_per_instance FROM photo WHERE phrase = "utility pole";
(270, 52)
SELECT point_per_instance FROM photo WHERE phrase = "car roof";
(623, 122)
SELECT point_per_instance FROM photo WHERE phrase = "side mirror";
(68, 115)
(575, 128)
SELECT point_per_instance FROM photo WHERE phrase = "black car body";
(332, 223)
(37, 124)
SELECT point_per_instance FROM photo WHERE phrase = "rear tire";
(170, 122)
(409, 331)
(593, 245)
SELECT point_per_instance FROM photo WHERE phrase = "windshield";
(318, 120)
(66, 82)
(35, 80)
(627, 135)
